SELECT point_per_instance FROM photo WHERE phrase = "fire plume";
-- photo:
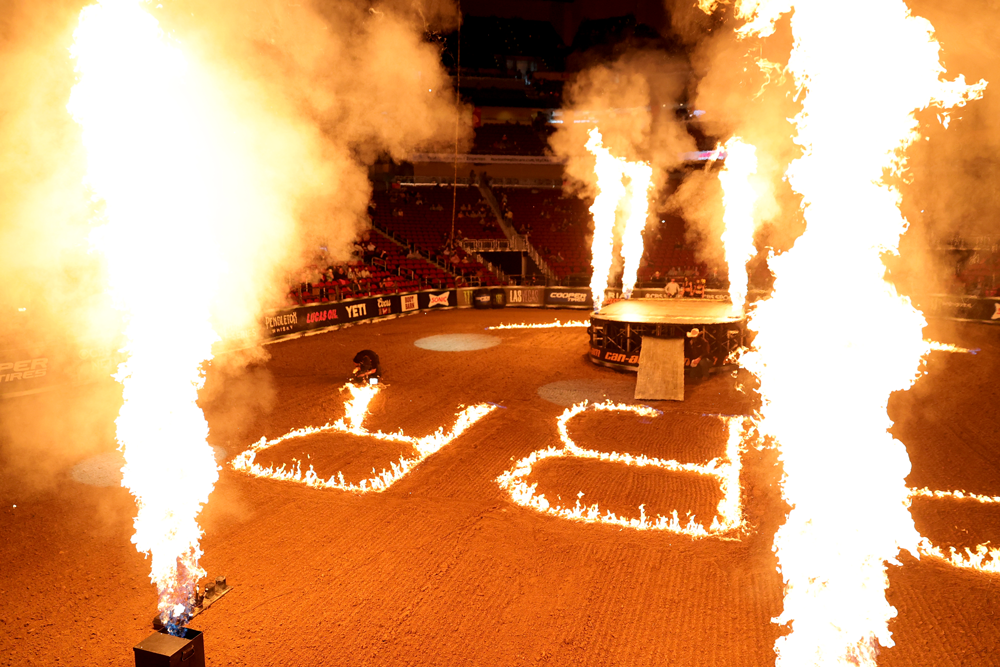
(614, 193)
(353, 423)
(739, 198)
(148, 152)
(833, 556)
(729, 515)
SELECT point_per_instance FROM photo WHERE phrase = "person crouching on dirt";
(697, 355)
(366, 368)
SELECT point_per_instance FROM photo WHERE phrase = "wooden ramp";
(661, 370)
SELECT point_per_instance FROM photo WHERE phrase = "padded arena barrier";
(29, 367)
(498, 297)
(49, 365)
(960, 308)
(481, 298)
(289, 322)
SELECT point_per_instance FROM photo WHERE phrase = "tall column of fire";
(160, 189)
(738, 197)
(610, 190)
(836, 340)
(624, 185)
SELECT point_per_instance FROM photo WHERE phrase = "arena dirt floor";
(442, 568)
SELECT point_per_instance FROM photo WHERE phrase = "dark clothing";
(366, 367)
(697, 356)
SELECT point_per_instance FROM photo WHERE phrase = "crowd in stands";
(558, 227)
(422, 219)
(371, 271)
(510, 139)
(976, 265)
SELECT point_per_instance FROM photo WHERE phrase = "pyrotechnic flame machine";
(175, 645)
(162, 649)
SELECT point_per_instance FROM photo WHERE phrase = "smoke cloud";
(949, 187)
(632, 101)
(306, 94)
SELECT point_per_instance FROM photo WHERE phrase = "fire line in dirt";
(728, 520)
(545, 325)
(353, 423)
(726, 471)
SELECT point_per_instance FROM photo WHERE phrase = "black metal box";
(162, 649)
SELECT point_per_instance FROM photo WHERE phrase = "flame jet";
(738, 197)
(161, 166)
(844, 476)
(612, 194)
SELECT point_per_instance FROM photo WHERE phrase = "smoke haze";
(950, 184)
(306, 95)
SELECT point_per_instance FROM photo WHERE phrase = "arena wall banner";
(294, 321)
(530, 297)
(568, 297)
(49, 365)
(964, 308)
(465, 296)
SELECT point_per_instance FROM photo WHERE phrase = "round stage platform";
(617, 330)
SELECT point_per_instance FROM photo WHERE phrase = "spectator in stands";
(657, 280)
(305, 285)
(324, 287)
(672, 289)
(713, 278)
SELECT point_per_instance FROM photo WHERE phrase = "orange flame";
(981, 558)
(357, 409)
(612, 193)
(545, 325)
(727, 472)
(146, 143)
(948, 347)
(739, 198)
(833, 556)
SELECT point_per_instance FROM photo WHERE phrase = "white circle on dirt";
(106, 469)
(457, 342)
(571, 392)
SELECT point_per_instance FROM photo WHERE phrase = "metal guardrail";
(516, 241)
(431, 181)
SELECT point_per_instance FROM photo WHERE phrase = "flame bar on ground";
(544, 325)
(947, 347)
